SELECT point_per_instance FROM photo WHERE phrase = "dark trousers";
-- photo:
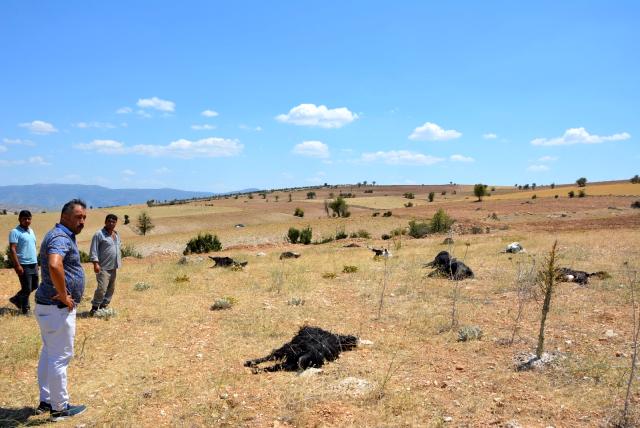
(28, 283)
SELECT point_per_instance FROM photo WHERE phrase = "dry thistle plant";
(627, 419)
(141, 286)
(349, 269)
(525, 281)
(223, 303)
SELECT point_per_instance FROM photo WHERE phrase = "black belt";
(59, 305)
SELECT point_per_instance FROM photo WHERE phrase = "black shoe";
(104, 306)
(43, 408)
(16, 302)
(93, 310)
(69, 412)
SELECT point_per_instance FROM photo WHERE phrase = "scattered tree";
(339, 207)
(144, 223)
(431, 196)
(480, 190)
(635, 179)
(298, 212)
(581, 182)
(311, 195)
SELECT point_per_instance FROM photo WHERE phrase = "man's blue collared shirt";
(60, 240)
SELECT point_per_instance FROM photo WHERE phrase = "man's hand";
(66, 299)
(96, 267)
(19, 270)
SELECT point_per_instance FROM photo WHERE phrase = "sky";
(221, 96)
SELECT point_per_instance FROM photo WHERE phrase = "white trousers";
(58, 329)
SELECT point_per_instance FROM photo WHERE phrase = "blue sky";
(220, 96)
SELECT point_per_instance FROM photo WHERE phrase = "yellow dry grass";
(166, 359)
(618, 189)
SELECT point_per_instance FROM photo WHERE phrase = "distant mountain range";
(53, 196)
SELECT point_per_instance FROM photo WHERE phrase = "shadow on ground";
(19, 417)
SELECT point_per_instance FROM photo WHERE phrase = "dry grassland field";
(167, 359)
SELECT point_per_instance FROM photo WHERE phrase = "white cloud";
(124, 110)
(209, 113)
(18, 142)
(401, 157)
(33, 160)
(321, 116)
(205, 127)
(39, 127)
(489, 136)
(538, 168)
(184, 149)
(98, 125)
(3, 149)
(109, 147)
(579, 136)
(314, 149)
(548, 159)
(461, 158)
(143, 113)
(249, 128)
(128, 172)
(156, 103)
(432, 132)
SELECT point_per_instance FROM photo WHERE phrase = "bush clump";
(440, 222)
(84, 257)
(141, 286)
(468, 333)
(181, 278)
(305, 235)
(128, 250)
(408, 205)
(203, 243)
(431, 196)
(409, 195)
(582, 194)
(387, 214)
(299, 212)
(361, 233)
(385, 237)
(349, 269)
(339, 207)
(295, 301)
(329, 275)
(571, 193)
(223, 303)
(293, 235)
(635, 204)
(418, 230)
(341, 234)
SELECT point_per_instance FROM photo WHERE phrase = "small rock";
(364, 342)
(311, 371)
(224, 396)
(610, 333)
(512, 424)
(261, 254)
(460, 368)
(447, 418)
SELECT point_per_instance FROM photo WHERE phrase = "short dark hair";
(69, 206)
(24, 214)
(110, 217)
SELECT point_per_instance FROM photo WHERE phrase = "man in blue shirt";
(56, 300)
(22, 252)
(105, 254)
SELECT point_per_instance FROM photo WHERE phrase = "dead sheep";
(449, 267)
(578, 276)
(226, 262)
(289, 255)
(310, 347)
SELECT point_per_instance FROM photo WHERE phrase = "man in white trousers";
(56, 299)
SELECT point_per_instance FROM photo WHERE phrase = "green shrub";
(431, 196)
(635, 204)
(126, 219)
(385, 237)
(534, 197)
(311, 195)
(376, 214)
(341, 234)
(635, 179)
(556, 196)
(329, 275)
(409, 195)
(387, 214)
(418, 230)
(299, 212)
(339, 207)
(408, 205)
(468, 333)
(571, 193)
(360, 234)
(398, 231)
(440, 222)
(182, 278)
(305, 235)
(128, 250)
(581, 182)
(84, 257)
(324, 240)
(295, 301)
(349, 269)
(480, 190)
(582, 194)
(293, 235)
(203, 243)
